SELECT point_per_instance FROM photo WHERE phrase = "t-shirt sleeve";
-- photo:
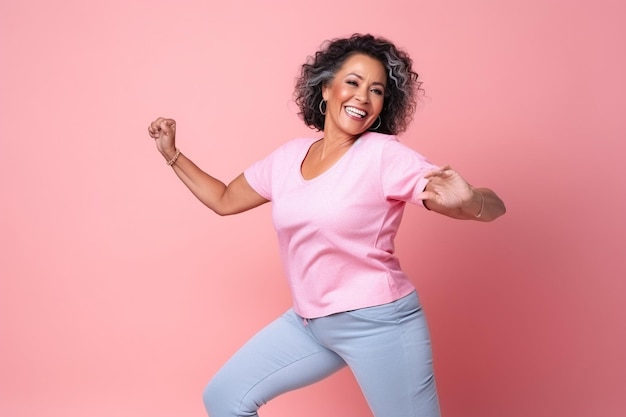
(259, 176)
(402, 172)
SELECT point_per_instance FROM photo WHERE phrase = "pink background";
(121, 295)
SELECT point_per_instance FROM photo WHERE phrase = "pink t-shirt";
(336, 231)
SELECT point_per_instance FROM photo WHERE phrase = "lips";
(354, 112)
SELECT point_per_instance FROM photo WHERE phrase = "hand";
(163, 131)
(447, 188)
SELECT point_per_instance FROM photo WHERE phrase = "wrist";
(475, 205)
(168, 153)
(172, 157)
(481, 206)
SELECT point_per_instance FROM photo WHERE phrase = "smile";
(354, 112)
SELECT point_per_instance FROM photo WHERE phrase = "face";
(355, 97)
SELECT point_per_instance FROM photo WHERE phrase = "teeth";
(355, 112)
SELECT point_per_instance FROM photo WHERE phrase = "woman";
(337, 205)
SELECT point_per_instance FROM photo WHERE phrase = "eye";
(378, 91)
(352, 82)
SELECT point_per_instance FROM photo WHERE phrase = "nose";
(362, 95)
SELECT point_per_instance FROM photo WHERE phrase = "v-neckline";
(330, 168)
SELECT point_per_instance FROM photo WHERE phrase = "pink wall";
(120, 295)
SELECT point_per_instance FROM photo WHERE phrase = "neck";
(329, 146)
(333, 141)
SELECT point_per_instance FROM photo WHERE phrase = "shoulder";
(294, 146)
(382, 144)
(289, 149)
(390, 144)
(373, 144)
(374, 138)
(298, 143)
(393, 152)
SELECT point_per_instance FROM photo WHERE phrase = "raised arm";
(223, 199)
(449, 194)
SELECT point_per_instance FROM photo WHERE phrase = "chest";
(346, 197)
(316, 161)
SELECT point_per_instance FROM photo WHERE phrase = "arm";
(449, 194)
(223, 199)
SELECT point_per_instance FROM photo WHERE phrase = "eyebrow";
(361, 78)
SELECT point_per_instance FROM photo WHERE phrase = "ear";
(325, 88)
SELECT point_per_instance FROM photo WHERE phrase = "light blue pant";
(387, 348)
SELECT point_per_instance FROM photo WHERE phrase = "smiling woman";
(337, 204)
(400, 93)
(354, 97)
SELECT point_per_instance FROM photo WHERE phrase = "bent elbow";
(499, 210)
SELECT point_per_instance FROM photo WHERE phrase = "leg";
(282, 357)
(388, 350)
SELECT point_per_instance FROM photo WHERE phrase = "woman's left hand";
(447, 188)
(448, 193)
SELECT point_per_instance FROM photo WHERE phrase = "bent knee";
(214, 400)
(221, 400)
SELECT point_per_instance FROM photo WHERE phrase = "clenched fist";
(163, 131)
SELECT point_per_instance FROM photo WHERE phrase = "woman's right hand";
(163, 131)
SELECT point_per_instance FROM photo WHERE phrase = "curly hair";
(319, 70)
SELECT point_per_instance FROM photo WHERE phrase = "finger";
(154, 131)
(164, 128)
(426, 195)
(161, 126)
(155, 125)
(171, 124)
(435, 173)
(431, 196)
(444, 172)
(168, 127)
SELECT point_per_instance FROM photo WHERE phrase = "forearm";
(204, 187)
(484, 205)
(236, 197)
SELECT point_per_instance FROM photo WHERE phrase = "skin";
(223, 199)
(359, 84)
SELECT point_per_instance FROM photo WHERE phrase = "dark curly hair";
(400, 94)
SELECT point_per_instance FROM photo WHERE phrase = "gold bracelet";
(482, 204)
(175, 157)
